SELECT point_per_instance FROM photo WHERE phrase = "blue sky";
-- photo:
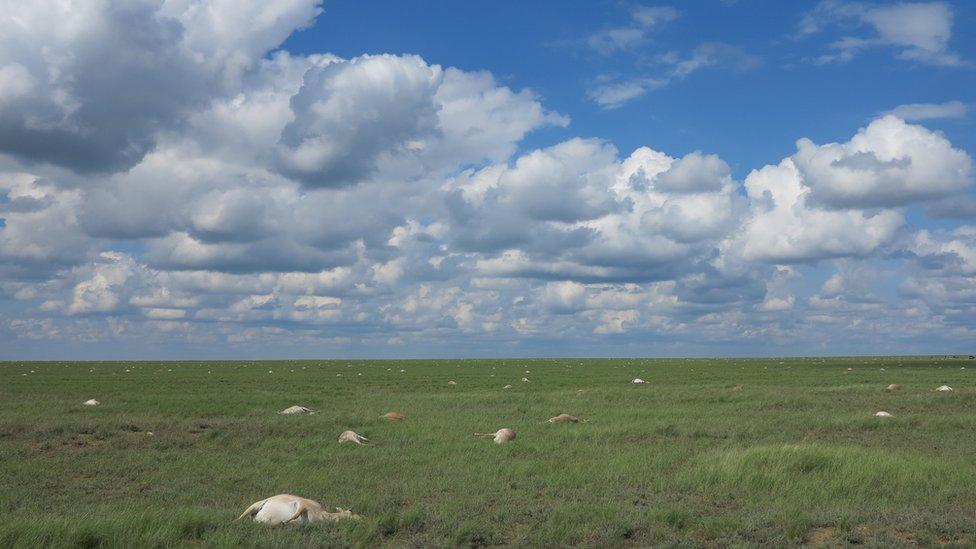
(542, 46)
(242, 179)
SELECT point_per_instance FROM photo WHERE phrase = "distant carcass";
(295, 410)
(500, 436)
(565, 418)
(285, 508)
(352, 436)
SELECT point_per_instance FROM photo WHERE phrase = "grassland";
(736, 452)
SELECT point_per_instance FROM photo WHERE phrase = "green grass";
(736, 452)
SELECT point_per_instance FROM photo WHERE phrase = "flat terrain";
(736, 452)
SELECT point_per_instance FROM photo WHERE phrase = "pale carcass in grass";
(285, 508)
(500, 436)
(91, 402)
(294, 410)
(394, 416)
(893, 387)
(638, 381)
(944, 389)
(565, 418)
(352, 436)
(882, 414)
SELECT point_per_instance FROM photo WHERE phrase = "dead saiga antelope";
(500, 436)
(352, 436)
(295, 410)
(285, 508)
(565, 418)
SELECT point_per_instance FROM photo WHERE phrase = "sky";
(381, 179)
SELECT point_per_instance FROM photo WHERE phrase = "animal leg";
(301, 510)
(252, 510)
(343, 513)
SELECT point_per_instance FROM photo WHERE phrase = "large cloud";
(39, 235)
(888, 163)
(111, 75)
(214, 199)
(785, 228)
(353, 117)
(575, 210)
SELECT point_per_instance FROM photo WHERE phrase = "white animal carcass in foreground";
(944, 389)
(638, 381)
(882, 414)
(500, 436)
(285, 508)
(352, 436)
(292, 410)
(91, 402)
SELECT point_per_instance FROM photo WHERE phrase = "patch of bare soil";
(199, 429)
(885, 535)
(822, 536)
(84, 441)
